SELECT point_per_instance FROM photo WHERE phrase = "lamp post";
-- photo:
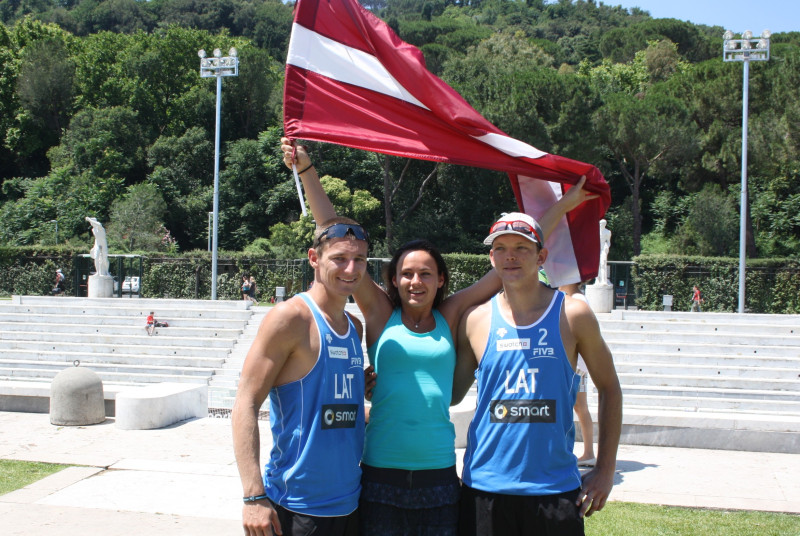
(217, 67)
(56, 222)
(746, 49)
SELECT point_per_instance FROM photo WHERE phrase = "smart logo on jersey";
(338, 352)
(513, 344)
(522, 411)
(339, 416)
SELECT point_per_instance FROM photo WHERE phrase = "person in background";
(150, 323)
(245, 287)
(58, 287)
(251, 293)
(697, 299)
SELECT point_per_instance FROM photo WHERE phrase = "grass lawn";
(633, 519)
(15, 474)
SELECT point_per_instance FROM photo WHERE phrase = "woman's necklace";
(412, 321)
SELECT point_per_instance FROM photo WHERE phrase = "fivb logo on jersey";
(542, 348)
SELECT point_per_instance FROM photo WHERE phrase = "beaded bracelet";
(254, 498)
(306, 169)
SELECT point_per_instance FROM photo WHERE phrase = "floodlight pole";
(745, 50)
(217, 67)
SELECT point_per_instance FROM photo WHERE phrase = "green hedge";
(771, 285)
(31, 271)
(466, 268)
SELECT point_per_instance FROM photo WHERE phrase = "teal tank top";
(409, 426)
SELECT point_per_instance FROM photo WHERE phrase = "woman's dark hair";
(391, 270)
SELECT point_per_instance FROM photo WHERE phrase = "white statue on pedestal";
(600, 294)
(605, 245)
(99, 251)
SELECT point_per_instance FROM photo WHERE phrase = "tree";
(182, 169)
(519, 94)
(45, 87)
(104, 143)
(253, 99)
(137, 219)
(292, 240)
(268, 23)
(41, 104)
(9, 105)
(643, 134)
(621, 44)
(697, 236)
(118, 16)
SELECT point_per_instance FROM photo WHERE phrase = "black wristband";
(306, 169)
(254, 498)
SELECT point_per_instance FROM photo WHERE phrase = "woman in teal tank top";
(409, 480)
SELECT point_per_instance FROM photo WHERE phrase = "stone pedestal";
(76, 398)
(100, 286)
(600, 297)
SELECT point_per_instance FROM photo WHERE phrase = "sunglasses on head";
(517, 226)
(340, 230)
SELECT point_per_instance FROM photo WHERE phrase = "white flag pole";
(299, 189)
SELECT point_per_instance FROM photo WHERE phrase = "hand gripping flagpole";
(297, 184)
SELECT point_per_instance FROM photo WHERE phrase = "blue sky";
(734, 15)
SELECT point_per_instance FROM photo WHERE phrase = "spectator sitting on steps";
(152, 324)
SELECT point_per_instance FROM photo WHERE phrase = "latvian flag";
(351, 81)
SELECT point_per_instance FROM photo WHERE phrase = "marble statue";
(99, 251)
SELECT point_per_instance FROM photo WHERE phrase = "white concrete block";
(159, 405)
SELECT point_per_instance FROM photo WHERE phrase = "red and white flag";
(351, 81)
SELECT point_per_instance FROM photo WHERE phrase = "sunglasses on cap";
(340, 230)
(516, 226)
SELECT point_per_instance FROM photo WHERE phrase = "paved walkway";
(183, 479)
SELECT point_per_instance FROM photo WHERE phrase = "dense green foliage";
(773, 285)
(101, 97)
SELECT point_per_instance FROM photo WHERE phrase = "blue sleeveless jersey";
(318, 429)
(521, 438)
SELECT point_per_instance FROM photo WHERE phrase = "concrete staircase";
(223, 384)
(222, 387)
(710, 380)
(40, 336)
